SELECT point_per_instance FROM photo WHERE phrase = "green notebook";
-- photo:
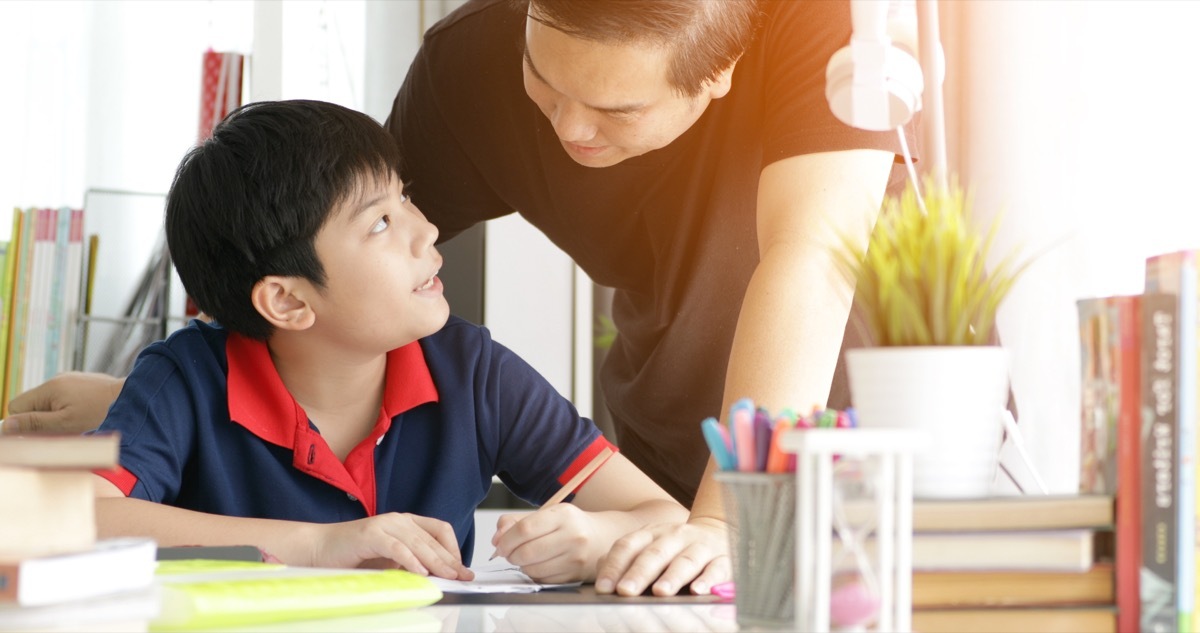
(216, 594)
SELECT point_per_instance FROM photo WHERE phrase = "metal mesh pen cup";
(762, 508)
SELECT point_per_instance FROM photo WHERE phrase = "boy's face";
(381, 289)
(608, 102)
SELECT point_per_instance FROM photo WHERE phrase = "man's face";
(607, 102)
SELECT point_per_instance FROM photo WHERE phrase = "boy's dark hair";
(704, 36)
(249, 201)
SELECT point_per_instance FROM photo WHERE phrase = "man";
(690, 164)
(682, 152)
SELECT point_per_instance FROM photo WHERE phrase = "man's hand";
(71, 403)
(419, 544)
(671, 556)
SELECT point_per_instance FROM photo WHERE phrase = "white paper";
(498, 576)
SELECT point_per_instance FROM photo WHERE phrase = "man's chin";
(608, 157)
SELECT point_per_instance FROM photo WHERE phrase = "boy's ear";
(280, 301)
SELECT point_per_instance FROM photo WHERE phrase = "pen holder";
(762, 508)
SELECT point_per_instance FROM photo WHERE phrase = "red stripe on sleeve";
(121, 478)
(584, 458)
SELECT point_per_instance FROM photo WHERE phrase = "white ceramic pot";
(955, 394)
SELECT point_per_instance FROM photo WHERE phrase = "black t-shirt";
(673, 230)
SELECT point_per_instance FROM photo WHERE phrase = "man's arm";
(71, 402)
(418, 544)
(785, 348)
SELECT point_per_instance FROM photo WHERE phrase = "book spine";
(1176, 273)
(1159, 491)
(1187, 413)
(20, 316)
(1129, 458)
(55, 321)
(39, 299)
(1098, 345)
(6, 317)
(71, 297)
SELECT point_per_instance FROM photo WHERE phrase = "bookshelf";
(135, 295)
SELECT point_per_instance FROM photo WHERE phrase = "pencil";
(583, 474)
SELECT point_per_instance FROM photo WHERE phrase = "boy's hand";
(419, 544)
(552, 545)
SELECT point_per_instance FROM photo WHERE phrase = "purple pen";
(762, 438)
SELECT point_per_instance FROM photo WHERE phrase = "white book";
(39, 298)
(73, 290)
(58, 285)
(111, 566)
(126, 612)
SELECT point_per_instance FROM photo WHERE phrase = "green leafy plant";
(921, 279)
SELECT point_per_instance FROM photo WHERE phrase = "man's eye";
(381, 224)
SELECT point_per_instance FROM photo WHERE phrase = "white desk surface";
(534, 618)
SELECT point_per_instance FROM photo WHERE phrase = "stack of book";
(1031, 563)
(41, 278)
(54, 573)
(1140, 375)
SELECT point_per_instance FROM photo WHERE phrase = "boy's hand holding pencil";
(551, 544)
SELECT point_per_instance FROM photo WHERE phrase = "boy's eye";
(381, 224)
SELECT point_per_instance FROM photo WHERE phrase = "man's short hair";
(249, 201)
(704, 36)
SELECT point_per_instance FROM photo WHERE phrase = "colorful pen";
(777, 460)
(717, 438)
(762, 438)
(743, 435)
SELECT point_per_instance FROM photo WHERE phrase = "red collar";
(259, 402)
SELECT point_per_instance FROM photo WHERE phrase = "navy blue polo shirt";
(207, 424)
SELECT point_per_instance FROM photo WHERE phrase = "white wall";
(1076, 121)
(106, 94)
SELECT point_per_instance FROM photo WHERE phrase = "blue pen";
(717, 439)
(762, 438)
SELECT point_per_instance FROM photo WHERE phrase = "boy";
(335, 416)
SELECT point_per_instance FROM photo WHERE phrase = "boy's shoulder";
(457, 332)
(197, 337)
(460, 344)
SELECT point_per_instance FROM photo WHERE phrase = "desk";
(550, 611)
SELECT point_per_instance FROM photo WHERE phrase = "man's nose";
(573, 123)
